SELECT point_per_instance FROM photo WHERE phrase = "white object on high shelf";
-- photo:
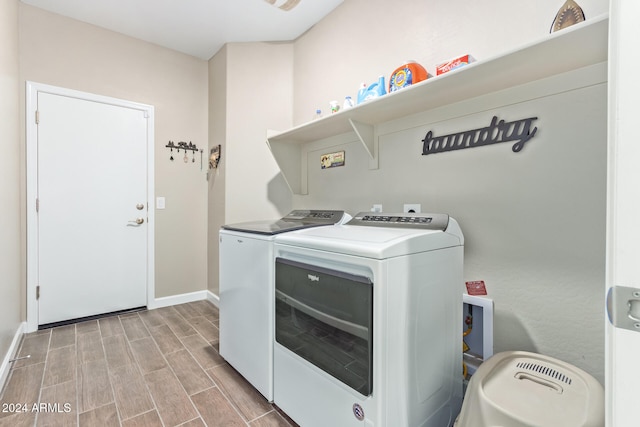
(578, 46)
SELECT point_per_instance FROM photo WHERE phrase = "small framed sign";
(476, 287)
(332, 160)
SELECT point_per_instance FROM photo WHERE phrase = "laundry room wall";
(63, 52)
(216, 177)
(11, 240)
(259, 97)
(250, 88)
(363, 39)
(534, 221)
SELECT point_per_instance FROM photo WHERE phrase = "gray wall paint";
(534, 221)
(546, 277)
(11, 238)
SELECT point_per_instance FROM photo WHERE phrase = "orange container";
(406, 75)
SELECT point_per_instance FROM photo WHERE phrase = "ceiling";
(195, 27)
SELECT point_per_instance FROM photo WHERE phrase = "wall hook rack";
(182, 146)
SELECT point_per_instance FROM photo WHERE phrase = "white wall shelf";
(576, 47)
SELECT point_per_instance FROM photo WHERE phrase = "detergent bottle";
(374, 90)
(348, 103)
(406, 75)
(361, 93)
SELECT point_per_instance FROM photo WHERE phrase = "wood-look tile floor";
(150, 368)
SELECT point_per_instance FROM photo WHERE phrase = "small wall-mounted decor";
(497, 131)
(214, 156)
(569, 14)
(332, 160)
(185, 147)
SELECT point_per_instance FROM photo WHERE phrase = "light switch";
(159, 202)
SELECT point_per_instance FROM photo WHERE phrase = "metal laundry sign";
(498, 131)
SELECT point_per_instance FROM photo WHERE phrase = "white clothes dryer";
(247, 288)
(368, 321)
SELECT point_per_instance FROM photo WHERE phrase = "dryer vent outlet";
(479, 339)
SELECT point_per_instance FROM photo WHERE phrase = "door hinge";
(623, 307)
(37, 117)
(38, 292)
(37, 205)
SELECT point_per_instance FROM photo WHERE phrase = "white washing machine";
(368, 321)
(247, 288)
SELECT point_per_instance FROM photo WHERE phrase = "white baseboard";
(213, 298)
(184, 298)
(177, 299)
(11, 354)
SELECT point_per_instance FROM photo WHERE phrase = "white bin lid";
(522, 389)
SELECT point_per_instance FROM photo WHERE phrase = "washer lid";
(374, 242)
(294, 220)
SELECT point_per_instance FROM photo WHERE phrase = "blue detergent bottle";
(374, 90)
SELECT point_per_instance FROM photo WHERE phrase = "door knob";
(140, 206)
(137, 221)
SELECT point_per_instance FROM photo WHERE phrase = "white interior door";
(92, 207)
(623, 228)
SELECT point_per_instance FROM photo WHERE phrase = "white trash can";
(522, 389)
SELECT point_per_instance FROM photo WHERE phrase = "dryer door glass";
(326, 317)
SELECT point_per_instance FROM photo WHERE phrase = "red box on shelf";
(453, 64)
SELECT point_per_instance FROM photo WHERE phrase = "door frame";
(623, 230)
(31, 106)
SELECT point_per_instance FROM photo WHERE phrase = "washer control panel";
(320, 216)
(403, 220)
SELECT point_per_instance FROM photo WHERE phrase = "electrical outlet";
(376, 208)
(412, 208)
